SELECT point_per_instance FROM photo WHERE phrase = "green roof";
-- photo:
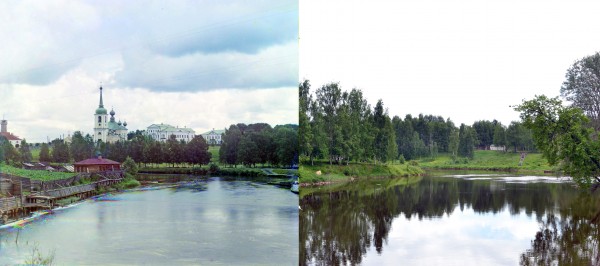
(100, 111)
(214, 131)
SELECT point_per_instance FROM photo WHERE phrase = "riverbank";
(533, 163)
(323, 173)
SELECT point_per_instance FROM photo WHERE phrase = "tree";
(24, 152)
(228, 150)
(129, 166)
(304, 132)
(81, 148)
(499, 135)
(466, 143)
(582, 87)
(329, 98)
(563, 135)
(247, 151)
(286, 141)
(45, 153)
(197, 151)
(385, 146)
(174, 150)
(60, 151)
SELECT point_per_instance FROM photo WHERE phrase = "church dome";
(101, 111)
(112, 112)
(125, 123)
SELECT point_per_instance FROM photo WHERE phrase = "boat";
(295, 187)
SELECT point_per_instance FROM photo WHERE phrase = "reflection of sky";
(231, 222)
(463, 238)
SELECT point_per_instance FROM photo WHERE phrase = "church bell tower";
(100, 122)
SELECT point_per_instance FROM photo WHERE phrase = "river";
(205, 222)
(450, 218)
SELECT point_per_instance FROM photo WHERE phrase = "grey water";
(205, 222)
(450, 218)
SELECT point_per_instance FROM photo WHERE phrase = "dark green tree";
(228, 150)
(286, 141)
(247, 152)
(25, 152)
(467, 141)
(197, 151)
(45, 153)
(81, 148)
(60, 151)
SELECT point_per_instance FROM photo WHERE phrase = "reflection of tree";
(339, 227)
(573, 238)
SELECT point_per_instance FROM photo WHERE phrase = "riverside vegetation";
(340, 128)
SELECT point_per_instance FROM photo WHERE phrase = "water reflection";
(352, 224)
(207, 222)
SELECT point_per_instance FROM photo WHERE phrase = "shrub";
(213, 168)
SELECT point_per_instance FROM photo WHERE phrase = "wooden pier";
(19, 205)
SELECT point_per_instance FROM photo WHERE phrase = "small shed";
(96, 165)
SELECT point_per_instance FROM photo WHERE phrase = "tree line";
(341, 126)
(260, 144)
(242, 144)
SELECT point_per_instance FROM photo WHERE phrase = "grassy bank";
(308, 173)
(34, 174)
(490, 160)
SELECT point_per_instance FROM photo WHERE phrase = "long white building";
(162, 132)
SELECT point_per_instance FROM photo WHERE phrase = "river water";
(205, 222)
(450, 219)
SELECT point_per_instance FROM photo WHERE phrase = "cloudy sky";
(466, 60)
(198, 64)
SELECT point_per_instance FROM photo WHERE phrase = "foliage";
(127, 183)
(81, 147)
(259, 144)
(24, 152)
(197, 151)
(332, 172)
(490, 160)
(37, 258)
(582, 87)
(563, 135)
(60, 151)
(467, 141)
(130, 167)
(45, 153)
(213, 168)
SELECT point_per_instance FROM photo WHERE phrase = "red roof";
(96, 161)
(9, 136)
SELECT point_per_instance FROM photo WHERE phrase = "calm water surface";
(450, 219)
(206, 222)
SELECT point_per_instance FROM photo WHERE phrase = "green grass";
(490, 160)
(214, 150)
(34, 174)
(308, 173)
(35, 154)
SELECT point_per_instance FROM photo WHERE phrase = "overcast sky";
(198, 64)
(466, 60)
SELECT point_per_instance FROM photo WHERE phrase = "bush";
(413, 163)
(213, 168)
(130, 166)
(401, 159)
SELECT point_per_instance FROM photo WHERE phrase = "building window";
(99, 119)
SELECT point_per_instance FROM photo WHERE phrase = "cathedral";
(106, 130)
